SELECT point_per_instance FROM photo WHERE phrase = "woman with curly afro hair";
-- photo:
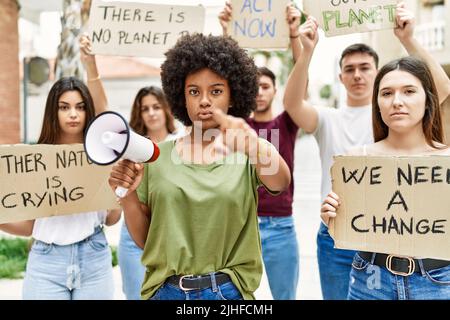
(193, 211)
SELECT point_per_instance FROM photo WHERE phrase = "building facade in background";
(9, 75)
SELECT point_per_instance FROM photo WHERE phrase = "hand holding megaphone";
(108, 138)
(125, 176)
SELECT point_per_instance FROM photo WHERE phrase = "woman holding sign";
(70, 258)
(194, 209)
(406, 121)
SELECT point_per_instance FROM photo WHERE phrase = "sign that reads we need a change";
(140, 29)
(339, 17)
(393, 205)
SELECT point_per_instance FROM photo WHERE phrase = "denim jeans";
(334, 266)
(79, 271)
(131, 267)
(371, 282)
(280, 255)
(226, 291)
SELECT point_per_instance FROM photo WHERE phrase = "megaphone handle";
(121, 191)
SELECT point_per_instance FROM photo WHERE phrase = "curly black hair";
(220, 54)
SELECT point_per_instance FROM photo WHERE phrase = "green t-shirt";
(203, 219)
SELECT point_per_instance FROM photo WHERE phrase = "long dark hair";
(50, 126)
(431, 121)
(136, 122)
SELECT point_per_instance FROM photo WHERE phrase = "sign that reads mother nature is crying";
(49, 180)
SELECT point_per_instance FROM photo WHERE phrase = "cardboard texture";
(393, 205)
(338, 17)
(48, 180)
(140, 29)
(259, 24)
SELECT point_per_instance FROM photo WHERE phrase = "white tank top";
(67, 229)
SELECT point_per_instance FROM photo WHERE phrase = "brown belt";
(404, 266)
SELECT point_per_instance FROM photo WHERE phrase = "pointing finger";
(221, 118)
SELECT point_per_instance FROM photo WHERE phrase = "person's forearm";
(113, 217)
(440, 78)
(137, 218)
(96, 88)
(294, 93)
(22, 228)
(270, 167)
(296, 47)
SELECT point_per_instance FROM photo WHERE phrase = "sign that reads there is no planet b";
(140, 29)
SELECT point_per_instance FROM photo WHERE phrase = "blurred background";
(39, 43)
(42, 36)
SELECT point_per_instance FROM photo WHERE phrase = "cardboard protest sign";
(259, 24)
(394, 205)
(140, 29)
(338, 17)
(47, 180)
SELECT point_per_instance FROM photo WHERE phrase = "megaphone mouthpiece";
(116, 141)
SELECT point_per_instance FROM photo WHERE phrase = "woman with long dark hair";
(70, 258)
(406, 121)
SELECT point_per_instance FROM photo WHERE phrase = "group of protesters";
(202, 221)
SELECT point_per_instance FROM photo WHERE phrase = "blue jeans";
(226, 291)
(131, 267)
(370, 282)
(280, 255)
(334, 266)
(79, 271)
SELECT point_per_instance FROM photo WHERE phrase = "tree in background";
(285, 61)
(73, 21)
(283, 56)
(9, 75)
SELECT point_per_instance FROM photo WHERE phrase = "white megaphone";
(109, 137)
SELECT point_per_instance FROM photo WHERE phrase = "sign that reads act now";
(393, 205)
(140, 29)
(338, 17)
(260, 24)
(47, 180)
